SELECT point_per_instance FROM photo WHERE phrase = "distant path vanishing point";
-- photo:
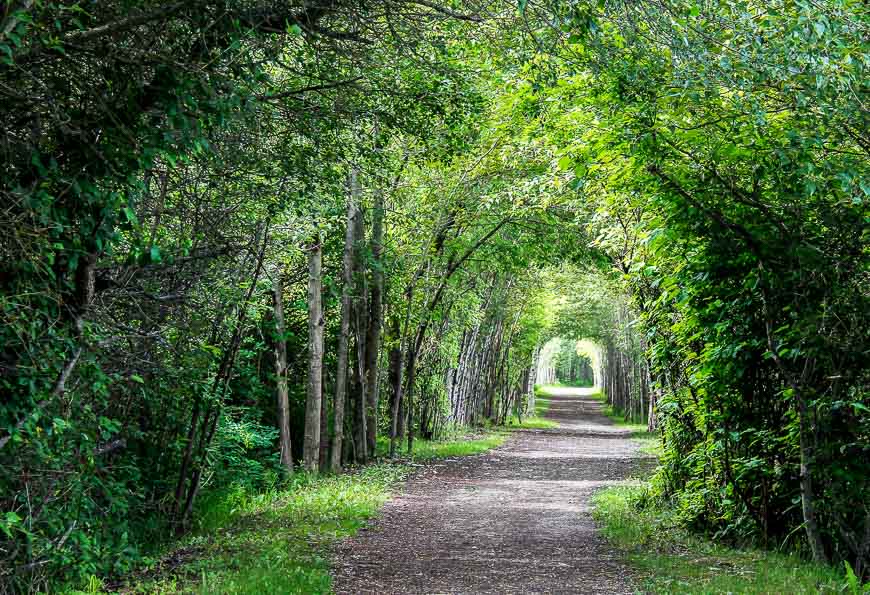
(514, 520)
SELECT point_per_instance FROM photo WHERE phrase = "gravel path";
(514, 520)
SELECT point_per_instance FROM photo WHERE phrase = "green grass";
(671, 560)
(542, 401)
(650, 442)
(275, 542)
(574, 384)
(536, 421)
(531, 423)
(459, 444)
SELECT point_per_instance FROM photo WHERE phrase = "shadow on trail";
(514, 520)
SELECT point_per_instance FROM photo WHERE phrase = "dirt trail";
(514, 520)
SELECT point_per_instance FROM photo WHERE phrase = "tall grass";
(670, 559)
(275, 540)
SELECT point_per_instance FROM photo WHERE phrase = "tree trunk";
(359, 405)
(361, 317)
(323, 458)
(395, 374)
(652, 417)
(281, 372)
(311, 444)
(411, 378)
(373, 333)
(196, 457)
(403, 417)
(344, 333)
(806, 481)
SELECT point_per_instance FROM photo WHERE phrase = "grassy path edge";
(668, 558)
(278, 540)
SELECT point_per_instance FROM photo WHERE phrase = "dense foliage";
(167, 172)
(240, 236)
(723, 146)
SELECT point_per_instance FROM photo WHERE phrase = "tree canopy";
(243, 238)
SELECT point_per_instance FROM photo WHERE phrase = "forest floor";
(514, 520)
(276, 540)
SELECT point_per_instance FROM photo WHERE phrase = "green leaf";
(130, 215)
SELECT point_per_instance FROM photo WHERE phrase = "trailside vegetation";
(722, 154)
(246, 242)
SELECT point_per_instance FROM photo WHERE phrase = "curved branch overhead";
(258, 257)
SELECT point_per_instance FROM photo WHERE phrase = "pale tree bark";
(360, 315)
(373, 333)
(395, 376)
(415, 343)
(344, 333)
(410, 379)
(323, 459)
(282, 392)
(314, 401)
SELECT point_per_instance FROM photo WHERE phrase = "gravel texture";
(514, 520)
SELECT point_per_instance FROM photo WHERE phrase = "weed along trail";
(514, 520)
